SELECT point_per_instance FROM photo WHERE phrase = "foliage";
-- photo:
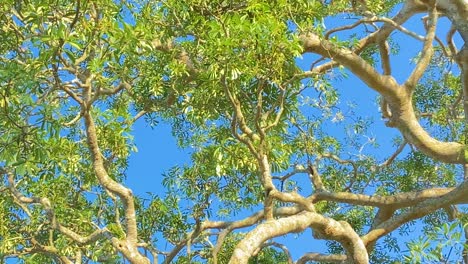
(257, 93)
(447, 241)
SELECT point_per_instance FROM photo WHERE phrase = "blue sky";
(158, 151)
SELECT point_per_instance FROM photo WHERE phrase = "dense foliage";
(265, 97)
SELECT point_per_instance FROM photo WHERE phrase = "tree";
(226, 75)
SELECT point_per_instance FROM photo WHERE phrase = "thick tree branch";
(321, 258)
(228, 227)
(339, 231)
(129, 246)
(399, 100)
(394, 202)
(293, 197)
(425, 207)
(385, 85)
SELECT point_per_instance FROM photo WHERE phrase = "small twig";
(394, 155)
(74, 120)
(280, 246)
(138, 116)
(373, 20)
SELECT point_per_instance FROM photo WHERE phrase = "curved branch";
(372, 20)
(403, 15)
(339, 231)
(385, 85)
(404, 118)
(393, 201)
(399, 100)
(229, 226)
(129, 246)
(322, 258)
(49, 250)
(282, 247)
(427, 50)
(424, 208)
(45, 202)
(296, 170)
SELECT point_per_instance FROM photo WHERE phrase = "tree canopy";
(258, 93)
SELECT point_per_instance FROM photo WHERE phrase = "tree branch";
(129, 246)
(395, 201)
(321, 258)
(420, 210)
(339, 231)
(427, 50)
(385, 85)
(280, 246)
(45, 202)
(399, 100)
